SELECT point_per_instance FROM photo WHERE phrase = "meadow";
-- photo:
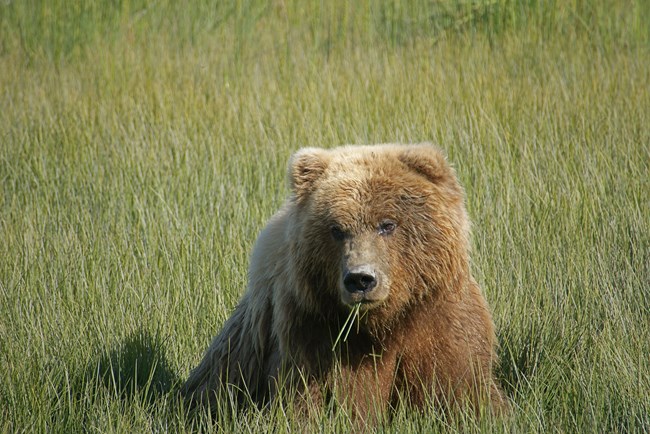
(143, 146)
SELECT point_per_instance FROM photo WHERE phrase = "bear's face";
(376, 226)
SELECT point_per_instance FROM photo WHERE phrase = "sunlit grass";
(144, 145)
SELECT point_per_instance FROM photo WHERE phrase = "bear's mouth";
(365, 300)
(368, 304)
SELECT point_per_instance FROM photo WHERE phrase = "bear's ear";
(305, 167)
(428, 161)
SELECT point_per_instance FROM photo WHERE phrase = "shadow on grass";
(519, 360)
(135, 372)
(137, 367)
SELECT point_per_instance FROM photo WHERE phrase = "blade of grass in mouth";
(353, 316)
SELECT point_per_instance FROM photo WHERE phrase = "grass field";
(143, 146)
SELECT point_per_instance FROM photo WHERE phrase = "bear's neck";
(312, 336)
(317, 342)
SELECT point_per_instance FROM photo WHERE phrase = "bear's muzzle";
(363, 284)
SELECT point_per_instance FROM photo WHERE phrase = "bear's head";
(381, 226)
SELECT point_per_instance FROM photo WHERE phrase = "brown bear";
(379, 230)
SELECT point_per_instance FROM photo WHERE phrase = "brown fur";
(425, 331)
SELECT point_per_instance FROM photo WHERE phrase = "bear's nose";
(359, 280)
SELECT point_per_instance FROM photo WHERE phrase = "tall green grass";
(143, 146)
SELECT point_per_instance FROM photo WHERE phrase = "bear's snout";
(363, 284)
(360, 279)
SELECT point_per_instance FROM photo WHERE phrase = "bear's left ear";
(429, 162)
(305, 167)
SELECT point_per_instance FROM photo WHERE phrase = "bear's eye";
(337, 232)
(387, 227)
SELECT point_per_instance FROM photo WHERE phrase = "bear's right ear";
(428, 161)
(305, 167)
